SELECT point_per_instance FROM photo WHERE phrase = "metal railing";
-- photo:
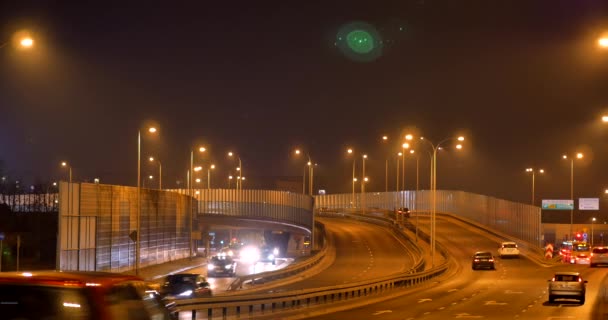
(272, 304)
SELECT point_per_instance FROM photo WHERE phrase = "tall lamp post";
(363, 182)
(200, 150)
(533, 171)
(434, 148)
(350, 152)
(310, 172)
(160, 172)
(211, 167)
(239, 183)
(384, 139)
(138, 231)
(578, 156)
(592, 223)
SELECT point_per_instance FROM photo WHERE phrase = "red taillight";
(553, 279)
(476, 260)
(580, 280)
(491, 260)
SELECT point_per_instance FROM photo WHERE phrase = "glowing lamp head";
(603, 42)
(152, 130)
(461, 138)
(349, 151)
(579, 155)
(409, 137)
(26, 42)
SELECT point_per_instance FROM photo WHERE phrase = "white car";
(508, 249)
(599, 255)
(567, 285)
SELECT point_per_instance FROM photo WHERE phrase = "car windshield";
(483, 255)
(600, 250)
(566, 277)
(181, 278)
(226, 260)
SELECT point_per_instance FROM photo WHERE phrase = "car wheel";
(582, 300)
(591, 265)
(473, 267)
(551, 299)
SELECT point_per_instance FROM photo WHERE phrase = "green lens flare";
(360, 41)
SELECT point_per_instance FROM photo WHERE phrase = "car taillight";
(553, 279)
(580, 280)
(491, 260)
(476, 260)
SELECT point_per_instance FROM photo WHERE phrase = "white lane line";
(424, 300)
(381, 312)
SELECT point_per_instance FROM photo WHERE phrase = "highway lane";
(516, 290)
(363, 251)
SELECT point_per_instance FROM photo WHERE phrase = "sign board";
(558, 204)
(589, 203)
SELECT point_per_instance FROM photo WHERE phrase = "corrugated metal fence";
(95, 221)
(517, 220)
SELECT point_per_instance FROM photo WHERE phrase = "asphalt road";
(516, 290)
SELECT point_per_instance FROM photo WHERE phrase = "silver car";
(599, 255)
(567, 285)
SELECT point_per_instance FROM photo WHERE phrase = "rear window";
(569, 278)
(600, 250)
(509, 245)
(41, 302)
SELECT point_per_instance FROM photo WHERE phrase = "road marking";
(466, 315)
(424, 300)
(494, 303)
(513, 292)
(566, 317)
(383, 311)
(452, 290)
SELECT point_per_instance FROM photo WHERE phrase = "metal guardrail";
(282, 273)
(269, 304)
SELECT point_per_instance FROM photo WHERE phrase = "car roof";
(483, 253)
(513, 242)
(63, 278)
(567, 273)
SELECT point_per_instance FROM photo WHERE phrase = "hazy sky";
(523, 80)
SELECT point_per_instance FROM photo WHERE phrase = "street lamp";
(137, 236)
(602, 42)
(385, 139)
(310, 173)
(239, 184)
(434, 148)
(592, 223)
(160, 172)
(578, 156)
(363, 185)
(23, 43)
(533, 171)
(350, 152)
(66, 165)
(191, 193)
(211, 167)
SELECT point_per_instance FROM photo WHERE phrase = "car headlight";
(227, 266)
(270, 256)
(186, 293)
(275, 251)
(210, 266)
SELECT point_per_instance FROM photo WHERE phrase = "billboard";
(589, 203)
(558, 204)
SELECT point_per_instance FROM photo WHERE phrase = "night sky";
(524, 81)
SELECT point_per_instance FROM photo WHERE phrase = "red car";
(78, 295)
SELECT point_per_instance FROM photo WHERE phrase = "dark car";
(78, 295)
(185, 286)
(221, 265)
(483, 260)
(268, 254)
(403, 211)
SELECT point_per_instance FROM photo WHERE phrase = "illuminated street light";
(533, 171)
(578, 156)
(191, 193)
(434, 148)
(310, 173)
(138, 230)
(602, 42)
(211, 167)
(160, 172)
(239, 183)
(592, 223)
(384, 139)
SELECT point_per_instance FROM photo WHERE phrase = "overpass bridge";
(97, 222)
